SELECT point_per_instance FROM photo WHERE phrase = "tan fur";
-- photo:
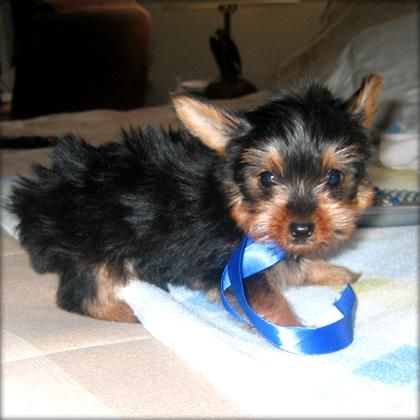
(335, 156)
(238, 208)
(318, 272)
(270, 303)
(265, 159)
(309, 272)
(265, 299)
(240, 214)
(336, 215)
(213, 294)
(270, 220)
(105, 305)
(213, 126)
(365, 196)
(365, 100)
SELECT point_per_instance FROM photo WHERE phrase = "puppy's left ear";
(212, 125)
(364, 101)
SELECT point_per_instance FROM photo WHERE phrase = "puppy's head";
(294, 167)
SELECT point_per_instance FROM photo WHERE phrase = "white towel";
(374, 376)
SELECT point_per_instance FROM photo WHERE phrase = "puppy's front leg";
(323, 273)
(266, 300)
(264, 290)
(306, 271)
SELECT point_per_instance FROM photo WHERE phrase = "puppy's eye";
(334, 177)
(267, 179)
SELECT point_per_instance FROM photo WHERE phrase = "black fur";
(153, 199)
(161, 200)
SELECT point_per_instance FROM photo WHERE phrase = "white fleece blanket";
(376, 376)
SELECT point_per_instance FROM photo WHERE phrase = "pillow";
(390, 49)
(340, 22)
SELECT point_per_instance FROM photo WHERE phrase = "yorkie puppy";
(169, 207)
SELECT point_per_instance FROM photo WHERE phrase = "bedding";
(190, 358)
(390, 49)
(341, 21)
(375, 376)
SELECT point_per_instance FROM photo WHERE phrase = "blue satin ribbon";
(252, 257)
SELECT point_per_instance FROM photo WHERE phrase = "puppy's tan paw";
(323, 273)
(347, 276)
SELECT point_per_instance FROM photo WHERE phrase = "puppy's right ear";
(212, 125)
(365, 100)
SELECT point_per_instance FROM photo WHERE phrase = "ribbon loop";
(253, 257)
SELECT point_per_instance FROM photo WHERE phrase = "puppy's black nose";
(301, 230)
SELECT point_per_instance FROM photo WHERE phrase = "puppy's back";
(93, 203)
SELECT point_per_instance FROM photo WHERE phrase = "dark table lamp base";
(222, 89)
